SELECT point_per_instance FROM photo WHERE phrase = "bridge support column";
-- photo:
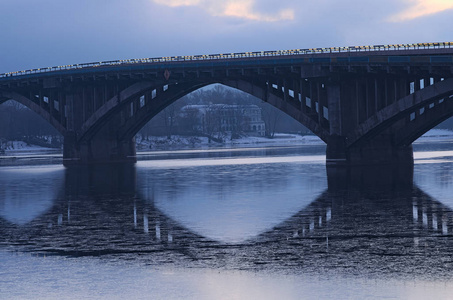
(350, 103)
(98, 150)
(378, 151)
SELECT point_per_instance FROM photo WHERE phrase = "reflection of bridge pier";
(367, 203)
(369, 221)
(99, 180)
(157, 227)
(320, 218)
(104, 184)
(431, 216)
(98, 212)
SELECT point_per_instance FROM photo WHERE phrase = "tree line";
(18, 123)
(171, 121)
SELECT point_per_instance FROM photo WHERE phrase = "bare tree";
(188, 121)
(271, 117)
(212, 121)
(168, 116)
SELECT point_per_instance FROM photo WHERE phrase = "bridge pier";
(380, 150)
(352, 101)
(98, 150)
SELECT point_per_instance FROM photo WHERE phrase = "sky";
(45, 33)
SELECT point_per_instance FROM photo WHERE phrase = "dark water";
(248, 219)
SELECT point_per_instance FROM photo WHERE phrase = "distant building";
(215, 118)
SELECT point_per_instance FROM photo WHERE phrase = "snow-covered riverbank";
(436, 135)
(281, 139)
(22, 148)
(18, 148)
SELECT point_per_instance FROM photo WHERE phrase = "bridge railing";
(349, 49)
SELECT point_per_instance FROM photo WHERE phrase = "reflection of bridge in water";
(353, 213)
(97, 212)
(350, 227)
(367, 103)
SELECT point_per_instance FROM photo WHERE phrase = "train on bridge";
(257, 54)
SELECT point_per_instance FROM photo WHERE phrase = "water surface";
(242, 223)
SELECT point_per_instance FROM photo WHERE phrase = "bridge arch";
(176, 91)
(111, 107)
(291, 108)
(135, 106)
(422, 123)
(159, 103)
(409, 117)
(41, 111)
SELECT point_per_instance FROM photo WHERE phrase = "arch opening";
(434, 114)
(21, 128)
(439, 131)
(216, 112)
(410, 117)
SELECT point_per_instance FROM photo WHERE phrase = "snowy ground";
(280, 139)
(19, 147)
(183, 142)
(160, 143)
(436, 135)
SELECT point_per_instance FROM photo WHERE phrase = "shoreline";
(177, 143)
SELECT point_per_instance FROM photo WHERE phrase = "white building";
(214, 118)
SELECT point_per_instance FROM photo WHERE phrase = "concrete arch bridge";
(367, 103)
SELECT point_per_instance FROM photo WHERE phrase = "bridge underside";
(366, 114)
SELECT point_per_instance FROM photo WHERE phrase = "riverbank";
(19, 148)
(190, 142)
(23, 148)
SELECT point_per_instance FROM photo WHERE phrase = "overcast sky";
(41, 33)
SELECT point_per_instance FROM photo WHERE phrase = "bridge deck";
(350, 54)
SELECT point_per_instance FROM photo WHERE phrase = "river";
(248, 223)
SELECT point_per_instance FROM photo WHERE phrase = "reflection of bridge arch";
(335, 231)
(101, 213)
(27, 193)
(337, 215)
(98, 213)
(72, 228)
(358, 102)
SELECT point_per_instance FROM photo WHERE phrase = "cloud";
(420, 8)
(176, 3)
(242, 9)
